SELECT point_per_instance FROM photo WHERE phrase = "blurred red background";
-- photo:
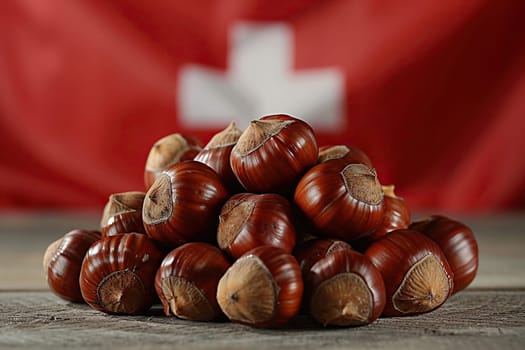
(433, 91)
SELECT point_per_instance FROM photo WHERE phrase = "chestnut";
(63, 260)
(123, 214)
(341, 200)
(216, 154)
(396, 216)
(49, 252)
(345, 289)
(457, 242)
(169, 150)
(350, 154)
(118, 274)
(249, 220)
(272, 154)
(416, 273)
(263, 288)
(186, 281)
(309, 252)
(183, 204)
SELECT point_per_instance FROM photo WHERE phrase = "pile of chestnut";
(258, 226)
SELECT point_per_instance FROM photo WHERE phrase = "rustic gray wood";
(24, 236)
(469, 320)
(488, 315)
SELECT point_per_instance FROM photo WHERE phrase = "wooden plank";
(25, 236)
(469, 320)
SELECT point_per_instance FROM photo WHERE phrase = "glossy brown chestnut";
(310, 251)
(273, 153)
(63, 260)
(396, 216)
(345, 289)
(123, 214)
(216, 154)
(48, 254)
(457, 242)
(342, 200)
(169, 150)
(187, 280)
(118, 274)
(349, 154)
(250, 220)
(416, 273)
(263, 288)
(183, 204)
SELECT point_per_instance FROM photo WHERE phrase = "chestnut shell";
(341, 200)
(267, 219)
(277, 159)
(201, 265)
(313, 250)
(349, 154)
(63, 267)
(129, 261)
(457, 242)
(285, 274)
(219, 160)
(216, 154)
(349, 261)
(167, 151)
(396, 253)
(183, 204)
(396, 216)
(123, 214)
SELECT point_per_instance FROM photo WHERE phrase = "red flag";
(433, 93)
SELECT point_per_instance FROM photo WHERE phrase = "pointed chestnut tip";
(186, 300)
(263, 288)
(226, 137)
(247, 292)
(343, 300)
(167, 150)
(417, 275)
(258, 132)
(425, 286)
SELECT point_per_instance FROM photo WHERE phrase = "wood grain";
(469, 320)
(25, 236)
(488, 315)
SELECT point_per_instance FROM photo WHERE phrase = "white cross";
(260, 80)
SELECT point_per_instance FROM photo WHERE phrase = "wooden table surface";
(490, 314)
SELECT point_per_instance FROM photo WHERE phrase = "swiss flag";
(434, 93)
